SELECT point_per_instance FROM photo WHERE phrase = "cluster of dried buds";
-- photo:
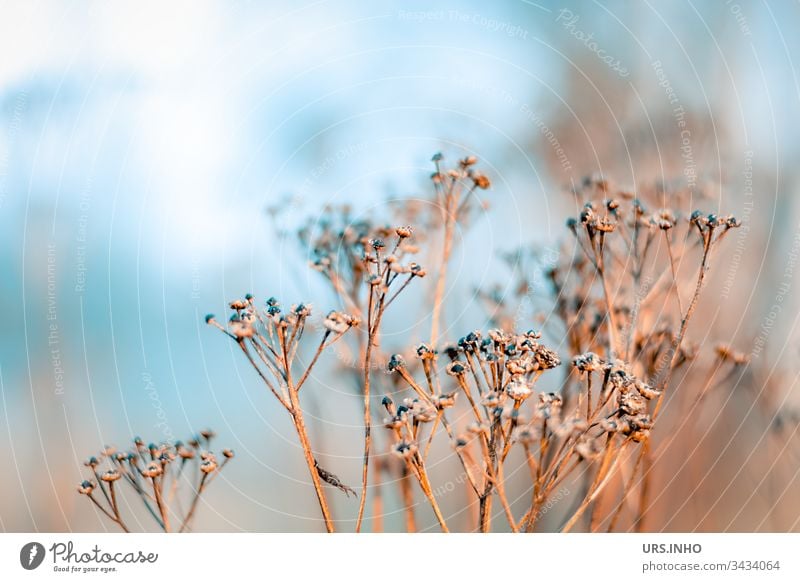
(463, 171)
(156, 473)
(271, 339)
(342, 248)
(275, 335)
(496, 374)
(607, 215)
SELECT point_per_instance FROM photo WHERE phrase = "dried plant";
(159, 474)
(621, 297)
(275, 337)
(350, 253)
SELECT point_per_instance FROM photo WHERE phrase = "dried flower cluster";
(270, 339)
(620, 299)
(158, 474)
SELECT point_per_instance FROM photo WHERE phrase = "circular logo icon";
(31, 555)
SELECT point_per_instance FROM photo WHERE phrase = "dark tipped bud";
(396, 362)
(456, 369)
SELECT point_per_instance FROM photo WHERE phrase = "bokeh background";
(141, 144)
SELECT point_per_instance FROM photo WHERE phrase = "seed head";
(446, 400)
(456, 368)
(404, 449)
(396, 362)
(404, 231)
(110, 476)
(417, 270)
(86, 487)
(588, 362)
(518, 390)
(337, 322)
(481, 181)
(153, 470)
(424, 352)
(388, 404)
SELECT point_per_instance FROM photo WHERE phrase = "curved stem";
(193, 507)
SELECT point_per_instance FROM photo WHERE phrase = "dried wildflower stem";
(103, 509)
(485, 500)
(372, 329)
(408, 500)
(193, 507)
(162, 508)
(674, 270)
(377, 500)
(302, 435)
(599, 483)
(684, 325)
(626, 492)
(115, 507)
(277, 345)
(662, 383)
(263, 377)
(612, 318)
(425, 484)
(451, 201)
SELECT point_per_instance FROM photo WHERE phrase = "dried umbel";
(618, 298)
(159, 475)
(496, 375)
(624, 296)
(271, 344)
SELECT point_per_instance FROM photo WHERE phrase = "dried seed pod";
(396, 362)
(86, 487)
(518, 390)
(110, 476)
(404, 449)
(152, 470)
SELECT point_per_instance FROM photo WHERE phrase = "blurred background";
(142, 144)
